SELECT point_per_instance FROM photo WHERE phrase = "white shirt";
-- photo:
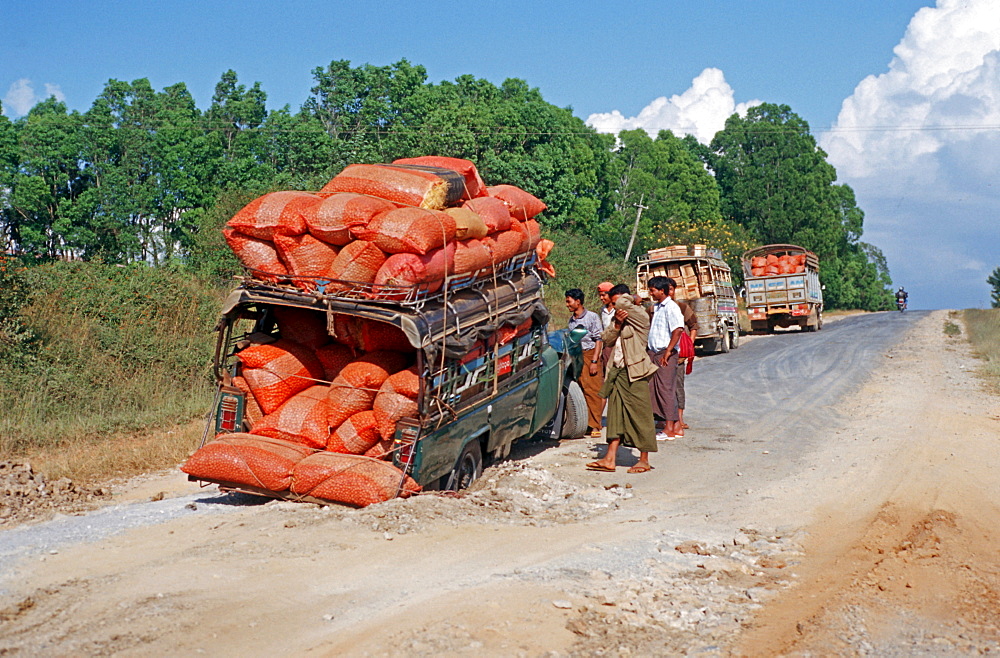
(607, 315)
(667, 317)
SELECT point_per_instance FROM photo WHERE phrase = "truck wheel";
(468, 468)
(574, 420)
(734, 340)
(819, 321)
(724, 341)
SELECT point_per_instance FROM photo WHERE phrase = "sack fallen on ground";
(247, 459)
(351, 479)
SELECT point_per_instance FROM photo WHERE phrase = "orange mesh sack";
(758, 261)
(357, 435)
(358, 262)
(354, 389)
(522, 205)
(255, 254)
(277, 212)
(757, 271)
(405, 382)
(302, 419)
(771, 259)
(408, 270)
(277, 371)
(467, 223)
(412, 230)
(334, 357)
(251, 408)
(376, 336)
(302, 326)
(504, 245)
(472, 255)
(254, 461)
(388, 408)
(381, 450)
(492, 211)
(474, 185)
(531, 234)
(305, 256)
(404, 185)
(351, 479)
(771, 270)
(332, 219)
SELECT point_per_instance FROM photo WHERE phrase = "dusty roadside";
(725, 549)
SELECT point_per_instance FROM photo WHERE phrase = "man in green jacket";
(626, 385)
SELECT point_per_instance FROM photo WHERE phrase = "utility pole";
(635, 228)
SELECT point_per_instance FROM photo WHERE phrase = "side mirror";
(576, 336)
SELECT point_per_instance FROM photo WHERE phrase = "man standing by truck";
(691, 327)
(626, 386)
(591, 378)
(664, 332)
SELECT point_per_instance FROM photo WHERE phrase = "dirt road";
(836, 494)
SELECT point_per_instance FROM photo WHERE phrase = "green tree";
(994, 281)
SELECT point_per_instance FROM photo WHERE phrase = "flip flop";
(640, 469)
(594, 466)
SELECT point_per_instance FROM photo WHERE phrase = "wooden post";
(635, 228)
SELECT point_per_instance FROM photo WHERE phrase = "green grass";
(950, 328)
(113, 351)
(983, 328)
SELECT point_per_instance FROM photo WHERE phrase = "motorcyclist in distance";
(901, 296)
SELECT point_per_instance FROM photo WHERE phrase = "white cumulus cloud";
(21, 97)
(920, 144)
(701, 110)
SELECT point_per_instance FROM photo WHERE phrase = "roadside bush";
(114, 348)
(580, 263)
(983, 329)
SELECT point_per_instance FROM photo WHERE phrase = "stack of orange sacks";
(772, 264)
(388, 228)
(322, 411)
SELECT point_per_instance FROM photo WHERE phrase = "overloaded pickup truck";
(782, 288)
(490, 371)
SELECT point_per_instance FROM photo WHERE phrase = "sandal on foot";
(597, 466)
(640, 468)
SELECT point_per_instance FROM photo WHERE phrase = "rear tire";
(468, 468)
(724, 341)
(734, 340)
(574, 420)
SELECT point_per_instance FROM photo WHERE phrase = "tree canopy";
(146, 176)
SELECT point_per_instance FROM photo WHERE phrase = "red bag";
(523, 205)
(686, 350)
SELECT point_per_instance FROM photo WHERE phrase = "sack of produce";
(420, 187)
(412, 230)
(389, 407)
(467, 224)
(471, 256)
(256, 254)
(357, 263)
(301, 419)
(531, 233)
(304, 255)
(356, 435)
(251, 409)
(277, 371)
(408, 270)
(350, 479)
(332, 219)
(277, 212)
(492, 211)
(334, 357)
(522, 205)
(374, 337)
(504, 245)
(301, 325)
(255, 461)
(381, 450)
(474, 185)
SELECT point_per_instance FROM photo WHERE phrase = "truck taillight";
(228, 412)
(405, 443)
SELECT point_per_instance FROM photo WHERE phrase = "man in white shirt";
(664, 332)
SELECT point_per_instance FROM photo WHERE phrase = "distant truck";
(782, 288)
(704, 281)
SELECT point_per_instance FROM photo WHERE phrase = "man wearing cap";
(607, 317)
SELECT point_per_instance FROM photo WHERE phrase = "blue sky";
(611, 60)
